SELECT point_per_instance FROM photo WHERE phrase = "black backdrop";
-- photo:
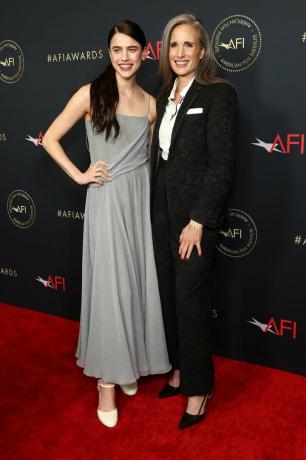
(48, 50)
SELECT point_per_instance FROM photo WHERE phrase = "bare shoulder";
(84, 92)
(81, 100)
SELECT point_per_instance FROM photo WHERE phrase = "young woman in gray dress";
(121, 330)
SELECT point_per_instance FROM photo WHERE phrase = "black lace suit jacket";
(202, 154)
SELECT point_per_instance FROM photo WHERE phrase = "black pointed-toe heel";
(168, 391)
(189, 419)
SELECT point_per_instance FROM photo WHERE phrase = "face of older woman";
(185, 51)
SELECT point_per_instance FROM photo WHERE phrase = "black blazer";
(202, 154)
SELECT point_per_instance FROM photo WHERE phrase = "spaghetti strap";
(149, 106)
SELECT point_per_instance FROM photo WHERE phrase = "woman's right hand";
(96, 173)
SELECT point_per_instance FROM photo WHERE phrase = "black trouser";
(184, 290)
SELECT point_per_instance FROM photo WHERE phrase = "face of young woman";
(185, 50)
(126, 55)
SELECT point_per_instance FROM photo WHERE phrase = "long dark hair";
(104, 95)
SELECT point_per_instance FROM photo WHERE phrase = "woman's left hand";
(190, 237)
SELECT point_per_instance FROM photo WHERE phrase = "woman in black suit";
(192, 165)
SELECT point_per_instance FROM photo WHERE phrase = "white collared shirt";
(166, 126)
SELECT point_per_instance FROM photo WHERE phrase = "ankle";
(101, 384)
(107, 396)
(196, 404)
(175, 378)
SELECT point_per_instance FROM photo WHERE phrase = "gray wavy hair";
(206, 70)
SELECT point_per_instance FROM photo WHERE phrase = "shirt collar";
(183, 90)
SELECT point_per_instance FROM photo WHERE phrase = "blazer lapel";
(159, 115)
(161, 110)
(155, 141)
(188, 100)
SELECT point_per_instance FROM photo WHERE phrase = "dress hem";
(143, 373)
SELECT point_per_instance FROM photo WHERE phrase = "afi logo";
(36, 142)
(232, 233)
(8, 62)
(57, 282)
(284, 145)
(288, 142)
(21, 209)
(283, 327)
(233, 44)
(152, 52)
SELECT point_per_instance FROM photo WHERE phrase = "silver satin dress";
(121, 328)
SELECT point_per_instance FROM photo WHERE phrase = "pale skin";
(185, 53)
(133, 100)
(126, 56)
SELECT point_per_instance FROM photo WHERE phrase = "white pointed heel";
(107, 418)
(130, 389)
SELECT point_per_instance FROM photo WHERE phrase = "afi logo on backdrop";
(36, 141)
(234, 44)
(153, 51)
(290, 143)
(8, 62)
(240, 238)
(234, 233)
(21, 209)
(11, 62)
(280, 328)
(56, 282)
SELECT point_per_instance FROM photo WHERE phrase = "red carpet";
(48, 407)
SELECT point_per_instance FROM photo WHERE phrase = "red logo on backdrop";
(36, 141)
(54, 282)
(287, 144)
(153, 50)
(281, 327)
